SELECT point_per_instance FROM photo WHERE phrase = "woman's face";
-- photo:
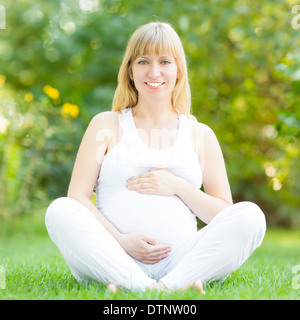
(155, 76)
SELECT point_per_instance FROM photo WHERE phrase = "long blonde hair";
(160, 38)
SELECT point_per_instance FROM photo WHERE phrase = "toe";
(113, 288)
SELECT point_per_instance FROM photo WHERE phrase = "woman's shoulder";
(107, 119)
(106, 116)
(199, 127)
(204, 137)
(103, 125)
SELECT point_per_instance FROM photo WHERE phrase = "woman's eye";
(142, 62)
(165, 62)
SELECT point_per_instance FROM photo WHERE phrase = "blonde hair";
(160, 38)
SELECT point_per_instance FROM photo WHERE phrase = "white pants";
(211, 254)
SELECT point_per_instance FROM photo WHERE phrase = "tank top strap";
(184, 126)
(125, 120)
(185, 135)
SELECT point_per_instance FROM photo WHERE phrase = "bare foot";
(153, 286)
(161, 287)
(195, 284)
(158, 286)
(112, 288)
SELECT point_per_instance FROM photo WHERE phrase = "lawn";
(35, 270)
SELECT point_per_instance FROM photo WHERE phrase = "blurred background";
(58, 68)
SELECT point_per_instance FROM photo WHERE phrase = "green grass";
(34, 270)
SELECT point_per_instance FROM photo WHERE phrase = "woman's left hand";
(158, 181)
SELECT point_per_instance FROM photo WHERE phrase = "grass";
(35, 270)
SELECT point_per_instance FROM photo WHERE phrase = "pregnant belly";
(167, 219)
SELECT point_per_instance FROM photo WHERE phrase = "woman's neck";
(154, 112)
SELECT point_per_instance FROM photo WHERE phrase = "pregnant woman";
(148, 158)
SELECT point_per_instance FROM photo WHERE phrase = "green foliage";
(37, 153)
(243, 62)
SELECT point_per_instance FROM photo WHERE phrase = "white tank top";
(166, 218)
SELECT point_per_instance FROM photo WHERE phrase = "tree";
(64, 60)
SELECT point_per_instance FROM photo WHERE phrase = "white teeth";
(154, 84)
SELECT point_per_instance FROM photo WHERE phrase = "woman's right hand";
(143, 247)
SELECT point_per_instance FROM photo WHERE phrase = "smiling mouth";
(154, 84)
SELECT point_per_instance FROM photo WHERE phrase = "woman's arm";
(87, 165)
(217, 196)
(101, 131)
(205, 205)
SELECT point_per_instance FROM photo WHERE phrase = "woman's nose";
(154, 71)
